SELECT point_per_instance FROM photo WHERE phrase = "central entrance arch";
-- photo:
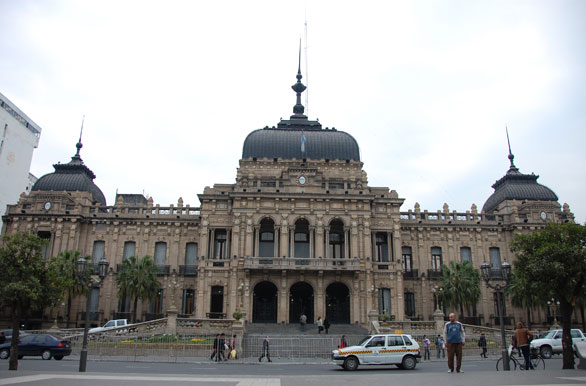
(264, 303)
(300, 302)
(338, 303)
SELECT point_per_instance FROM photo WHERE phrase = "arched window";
(336, 239)
(266, 243)
(301, 238)
(466, 254)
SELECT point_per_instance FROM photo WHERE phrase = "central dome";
(299, 138)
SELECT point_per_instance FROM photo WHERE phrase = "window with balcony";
(495, 259)
(129, 249)
(266, 242)
(220, 244)
(160, 253)
(384, 301)
(46, 248)
(407, 257)
(381, 247)
(466, 254)
(98, 251)
(156, 307)
(436, 259)
(410, 304)
(188, 302)
(336, 239)
(301, 238)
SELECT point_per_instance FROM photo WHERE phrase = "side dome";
(73, 176)
(289, 143)
(517, 186)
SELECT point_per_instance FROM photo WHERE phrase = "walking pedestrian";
(265, 350)
(521, 341)
(232, 352)
(455, 338)
(426, 352)
(326, 324)
(221, 348)
(320, 326)
(302, 321)
(215, 347)
(343, 342)
(482, 345)
(440, 347)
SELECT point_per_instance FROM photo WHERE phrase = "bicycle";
(536, 361)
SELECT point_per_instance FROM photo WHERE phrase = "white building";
(19, 135)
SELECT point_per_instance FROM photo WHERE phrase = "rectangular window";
(466, 254)
(98, 251)
(436, 259)
(384, 301)
(336, 185)
(129, 249)
(407, 259)
(46, 248)
(220, 244)
(94, 304)
(157, 305)
(410, 304)
(382, 247)
(191, 254)
(188, 303)
(495, 258)
(160, 253)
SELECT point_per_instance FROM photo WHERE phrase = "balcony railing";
(295, 263)
(188, 270)
(216, 315)
(434, 274)
(411, 275)
(162, 269)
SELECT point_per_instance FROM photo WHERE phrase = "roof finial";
(299, 87)
(511, 157)
(79, 145)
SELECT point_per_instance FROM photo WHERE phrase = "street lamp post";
(553, 305)
(80, 266)
(437, 294)
(487, 276)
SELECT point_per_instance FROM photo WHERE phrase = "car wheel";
(351, 363)
(46, 355)
(546, 352)
(409, 363)
(58, 357)
(4, 354)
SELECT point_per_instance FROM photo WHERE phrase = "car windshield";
(363, 341)
(550, 334)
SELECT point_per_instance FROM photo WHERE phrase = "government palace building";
(300, 231)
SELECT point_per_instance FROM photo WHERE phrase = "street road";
(36, 372)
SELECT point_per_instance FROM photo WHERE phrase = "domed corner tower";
(73, 176)
(520, 193)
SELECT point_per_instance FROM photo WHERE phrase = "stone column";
(311, 242)
(327, 242)
(319, 240)
(346, 246)
(284, 240)
(256, 236)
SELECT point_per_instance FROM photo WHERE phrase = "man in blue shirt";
(455, 338)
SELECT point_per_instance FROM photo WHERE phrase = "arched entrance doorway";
(338, 303)
(300, 302)
(264, 303)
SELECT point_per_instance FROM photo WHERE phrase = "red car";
(43, 345)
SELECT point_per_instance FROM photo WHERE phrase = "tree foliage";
(137, 279)
(72, 286)
(461, 285)
(554, 259)
(28, 282)
(524, 294)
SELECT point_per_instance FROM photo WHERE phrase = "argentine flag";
(303, 140)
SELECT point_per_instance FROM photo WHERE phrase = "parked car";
(43, 345)
(382, 349)
(110, 325)
(551, 343)
(8, 334)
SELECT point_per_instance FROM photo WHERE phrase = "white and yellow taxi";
(400, 350)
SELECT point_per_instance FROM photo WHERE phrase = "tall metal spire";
(512, 168)
(299, 87)
(76, 159)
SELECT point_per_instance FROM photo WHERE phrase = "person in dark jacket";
(482, 345)
(222, 348)
(215, 347)
(326, 324)
(343, 342)
(265, 350)
(522, 340)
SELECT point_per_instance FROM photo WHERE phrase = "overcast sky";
(171, 89)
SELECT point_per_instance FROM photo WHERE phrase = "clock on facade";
(47, 205)
(543, 215)
(302, 180)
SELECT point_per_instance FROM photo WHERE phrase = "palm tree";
(137, 279)
(461, 285)
(523, 294)
(65, 263)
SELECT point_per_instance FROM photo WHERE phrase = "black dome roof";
(300, 138)
(518, 186)
(286, 143)
(72, 176)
